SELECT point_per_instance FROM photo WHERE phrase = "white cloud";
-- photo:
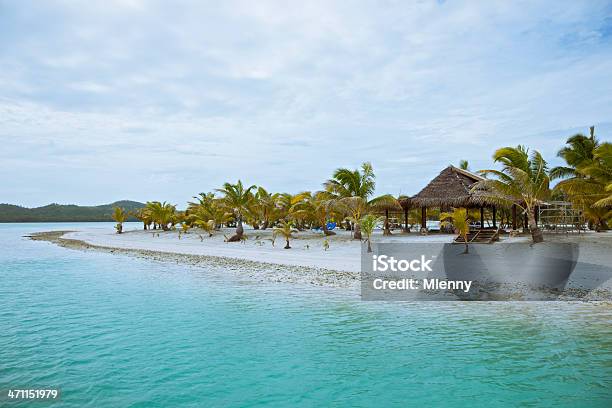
(282, 93)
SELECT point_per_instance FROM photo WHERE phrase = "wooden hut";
(451, 188)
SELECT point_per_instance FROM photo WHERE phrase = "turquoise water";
(119, 331)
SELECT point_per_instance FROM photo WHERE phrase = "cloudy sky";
(143, 100)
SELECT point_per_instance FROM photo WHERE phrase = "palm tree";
(120, 216)
(161, 213)
(208, 226)
(523, 181)
(143, 215)
(237, 198)
(351, 189)
(591, 185)
(586, 177)
(208, 208)
(367, 224)
(315, 209)
(266, 207)
(286, 230)
(464, 165)
(459, 221)
(578, 152)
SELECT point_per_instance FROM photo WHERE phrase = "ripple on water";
(119, 331)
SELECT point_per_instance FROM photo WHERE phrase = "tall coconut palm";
(578, 151)
(459, 221)
(120, 216)
(368, 223)
(523, 181)
(237, 198)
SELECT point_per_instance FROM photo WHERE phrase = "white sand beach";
(307, 261)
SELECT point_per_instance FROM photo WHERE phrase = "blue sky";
(109, 100)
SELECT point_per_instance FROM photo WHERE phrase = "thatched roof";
(451, 188)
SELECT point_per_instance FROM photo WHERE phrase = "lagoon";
(115, 330)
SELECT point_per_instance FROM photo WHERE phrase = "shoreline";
(247, 261)
(256, 270)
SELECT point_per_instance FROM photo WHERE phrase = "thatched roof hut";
(451, 188)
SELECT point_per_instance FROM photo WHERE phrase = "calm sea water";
(120, 331)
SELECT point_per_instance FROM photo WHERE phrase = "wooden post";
(494, 215)
(514, 216)
(481, 217)
(406, 219)
(387, 229)
(423, 217)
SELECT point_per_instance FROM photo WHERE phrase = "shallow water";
(115, 330)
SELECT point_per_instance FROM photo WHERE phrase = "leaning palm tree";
(459, 221)
(286, 230)
(237, 198)
(523, 181)
(120, 216)
(367, 224)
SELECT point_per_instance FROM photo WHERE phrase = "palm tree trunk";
(357, 233)
(287, 246)
(387, 227)
(239, 231)
(239, 227)
(536, 232)
(369, 245)
(467, 248)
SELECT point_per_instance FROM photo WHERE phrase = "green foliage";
(65, 213)
(367, 224)
(523, 181)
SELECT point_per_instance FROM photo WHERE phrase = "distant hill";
(64, 213)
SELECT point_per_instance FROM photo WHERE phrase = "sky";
(155, 100)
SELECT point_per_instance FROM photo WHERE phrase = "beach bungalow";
(452, 188)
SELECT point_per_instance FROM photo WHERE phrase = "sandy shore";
(307, 262)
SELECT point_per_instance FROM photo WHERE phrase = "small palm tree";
(367, 224)
(459, 221)
(353, 187)
(120, 216)
(208, 226)
(237, 198)
(286, 230)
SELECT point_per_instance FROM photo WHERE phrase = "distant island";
(65, 213)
